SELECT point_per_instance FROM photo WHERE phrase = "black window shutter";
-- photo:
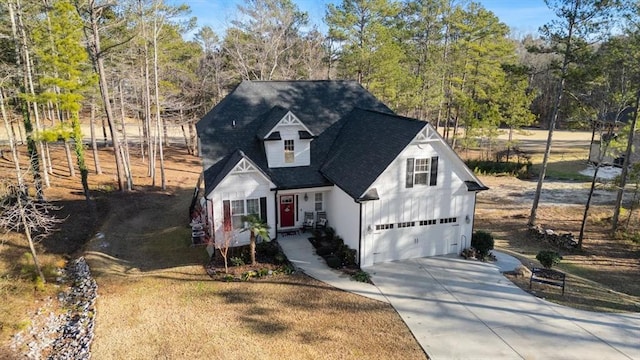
(226, 210)
(410, 172)
(263, 209)
(433, 178)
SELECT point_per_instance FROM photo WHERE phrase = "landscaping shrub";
(263, 272)
(333, 261)
(347, 255)
(249, 274)
(317, 235)
(548, 258)
(325, 250)
(329, 234)
(362, 276)
(492, 167)
(279, 258)
(267, 248)
(483, 242)
(236, 261)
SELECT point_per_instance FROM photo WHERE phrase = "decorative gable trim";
(427, 134)
(289, 119)
(243, 167)
(236, 163)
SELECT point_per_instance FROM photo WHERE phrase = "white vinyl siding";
(249, 186)
(418, 220)
(275, 149)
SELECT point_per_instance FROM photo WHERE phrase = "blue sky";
(522, 16)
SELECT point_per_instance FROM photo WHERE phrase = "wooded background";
(144, 63)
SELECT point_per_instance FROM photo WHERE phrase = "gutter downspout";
(277, 220)
(473, 217)
(360, 236)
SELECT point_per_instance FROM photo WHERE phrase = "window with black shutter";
(409, 182)
(422, 171)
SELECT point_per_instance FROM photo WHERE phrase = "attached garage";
(416, 239)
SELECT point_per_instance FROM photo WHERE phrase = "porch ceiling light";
(306, 197)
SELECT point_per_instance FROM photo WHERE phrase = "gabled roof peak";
(279, 116)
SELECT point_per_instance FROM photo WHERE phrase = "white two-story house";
(390, 186)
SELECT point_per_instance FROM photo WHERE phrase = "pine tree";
(60, 51)
(578, 21)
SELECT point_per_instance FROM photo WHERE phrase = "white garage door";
(415, 241)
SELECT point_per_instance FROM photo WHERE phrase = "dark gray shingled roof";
(368, 142)
(240, 118)
(216, 173)
(271, 119)
(475, 186)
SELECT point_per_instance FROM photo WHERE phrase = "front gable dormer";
(286, 139)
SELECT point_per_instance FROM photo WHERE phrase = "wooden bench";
(548, 277)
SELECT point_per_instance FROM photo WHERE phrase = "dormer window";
(289, 155)
(286, 139)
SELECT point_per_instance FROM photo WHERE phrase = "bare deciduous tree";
(21, 213)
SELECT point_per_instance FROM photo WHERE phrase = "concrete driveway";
(459, 309)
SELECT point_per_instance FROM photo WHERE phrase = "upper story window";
(421, 174)
(289, 155)
(422, 171)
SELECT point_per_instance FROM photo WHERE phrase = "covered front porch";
(301, 209)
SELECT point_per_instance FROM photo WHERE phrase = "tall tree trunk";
(94, 13)
(125, 156)
(12, 145)
(554, 118)
(159, 121)
(27, 232)
(21, 189)
(625, 166)
(150, 138)
(603, 152)
(94, 143)
(84, 172)
(67, 151)
(22, 58)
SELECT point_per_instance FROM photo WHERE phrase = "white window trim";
(289, 155)
(427, 171)
(244, 213)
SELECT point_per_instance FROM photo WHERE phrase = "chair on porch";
(321, 220)
(308, 221)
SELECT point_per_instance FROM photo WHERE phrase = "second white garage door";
(415, 241)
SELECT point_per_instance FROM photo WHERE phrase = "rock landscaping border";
(68, 335)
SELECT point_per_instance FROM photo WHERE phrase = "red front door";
(286, 211)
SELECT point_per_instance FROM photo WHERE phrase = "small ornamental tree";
(257, 227)
(548, 258)
(21, 213)
(228, 238)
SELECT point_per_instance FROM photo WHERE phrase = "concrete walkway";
(303, 256)
(460, 309)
